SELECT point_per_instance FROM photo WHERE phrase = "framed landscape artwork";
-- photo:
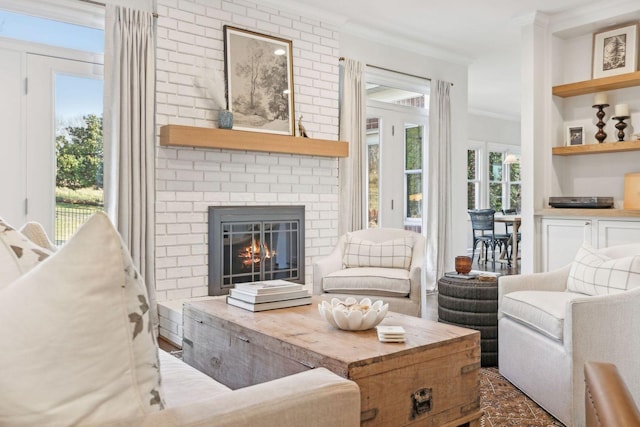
(259, 81)
(615, 51)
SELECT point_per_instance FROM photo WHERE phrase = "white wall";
(397, 59)
(494, 130)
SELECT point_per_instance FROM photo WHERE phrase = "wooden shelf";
(597, 85)
(605, 147)
(189, 136)
(613, 213)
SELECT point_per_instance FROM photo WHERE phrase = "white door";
(46, 93)
(395, 150)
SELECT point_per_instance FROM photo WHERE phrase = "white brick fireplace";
(189, 180)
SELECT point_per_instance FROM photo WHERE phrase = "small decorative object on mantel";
(615, 51)
(622, 113)
(600, 103)
(301, 128)
(213, 86)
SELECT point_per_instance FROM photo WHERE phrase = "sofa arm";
(548, 281)
(312, 398)
(327, 265)
(601, 328)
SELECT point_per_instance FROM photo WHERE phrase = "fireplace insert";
(253, 243)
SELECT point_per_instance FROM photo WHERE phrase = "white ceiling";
(484, 34)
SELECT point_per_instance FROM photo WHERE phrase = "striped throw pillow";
(390, 254)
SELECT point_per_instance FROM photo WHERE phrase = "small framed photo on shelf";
(575, 135)
(259, 77)
(615, 51)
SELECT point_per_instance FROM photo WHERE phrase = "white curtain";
(437, 223)
(129, 145)
(352, 130)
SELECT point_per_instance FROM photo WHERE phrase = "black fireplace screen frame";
(222, 216)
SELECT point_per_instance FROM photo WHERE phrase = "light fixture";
(279, 52)
(511, 159)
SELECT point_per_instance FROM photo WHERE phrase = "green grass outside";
(73, 208)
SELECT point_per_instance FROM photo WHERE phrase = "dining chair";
(483, 229)
(508, 228)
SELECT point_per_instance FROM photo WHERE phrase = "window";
(492, 183)
(473, 178)
(413, 174)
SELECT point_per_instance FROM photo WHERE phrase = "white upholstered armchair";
(551, 323)
(379, 263)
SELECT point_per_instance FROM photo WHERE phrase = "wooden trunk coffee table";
(432, 379)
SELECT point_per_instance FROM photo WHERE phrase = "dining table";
(515, 221)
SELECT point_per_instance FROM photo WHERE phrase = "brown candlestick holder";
(621, 125)
(600, 135)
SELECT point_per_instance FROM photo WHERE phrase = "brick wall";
(190, 44)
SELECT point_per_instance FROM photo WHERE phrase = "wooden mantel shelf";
(189, 136)
(598, 85)
(606, 147)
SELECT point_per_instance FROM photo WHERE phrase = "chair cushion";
(368, 281)
(77, 344)
(18, 254)
(390, 254)
(543, 311)
(183, 384)
(593, 273)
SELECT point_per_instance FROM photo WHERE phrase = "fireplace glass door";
(259, 251)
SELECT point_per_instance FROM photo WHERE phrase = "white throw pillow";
(76, 341)
(17, 254)
(390, 254)
(594, 273)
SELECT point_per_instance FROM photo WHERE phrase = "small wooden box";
(432, 379)
(632, 191)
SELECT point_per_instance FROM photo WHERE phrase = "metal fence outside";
(69, 218)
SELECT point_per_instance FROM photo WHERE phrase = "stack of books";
(268, 295)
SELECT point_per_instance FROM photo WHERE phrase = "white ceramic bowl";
(352, 315)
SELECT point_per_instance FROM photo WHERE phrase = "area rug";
(504, 405)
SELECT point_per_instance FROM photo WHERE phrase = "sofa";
(378, 263)
(551, 323)
(78, 348)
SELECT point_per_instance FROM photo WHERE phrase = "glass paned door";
(64, 143)
(394, 159)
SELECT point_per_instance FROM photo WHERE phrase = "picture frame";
(615, 51)
(259, 81)
(575, 135)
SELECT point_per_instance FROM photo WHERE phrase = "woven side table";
(473, 304)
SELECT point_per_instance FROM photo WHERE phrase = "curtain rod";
(393, 71)
(97, 3)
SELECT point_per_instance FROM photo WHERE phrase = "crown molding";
(586, 19)
(406, 43)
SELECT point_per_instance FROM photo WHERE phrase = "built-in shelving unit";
(605, 147)
(592, 86)
(190, 136)
(597, 85)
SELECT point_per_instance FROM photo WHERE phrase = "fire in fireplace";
(252, 243)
